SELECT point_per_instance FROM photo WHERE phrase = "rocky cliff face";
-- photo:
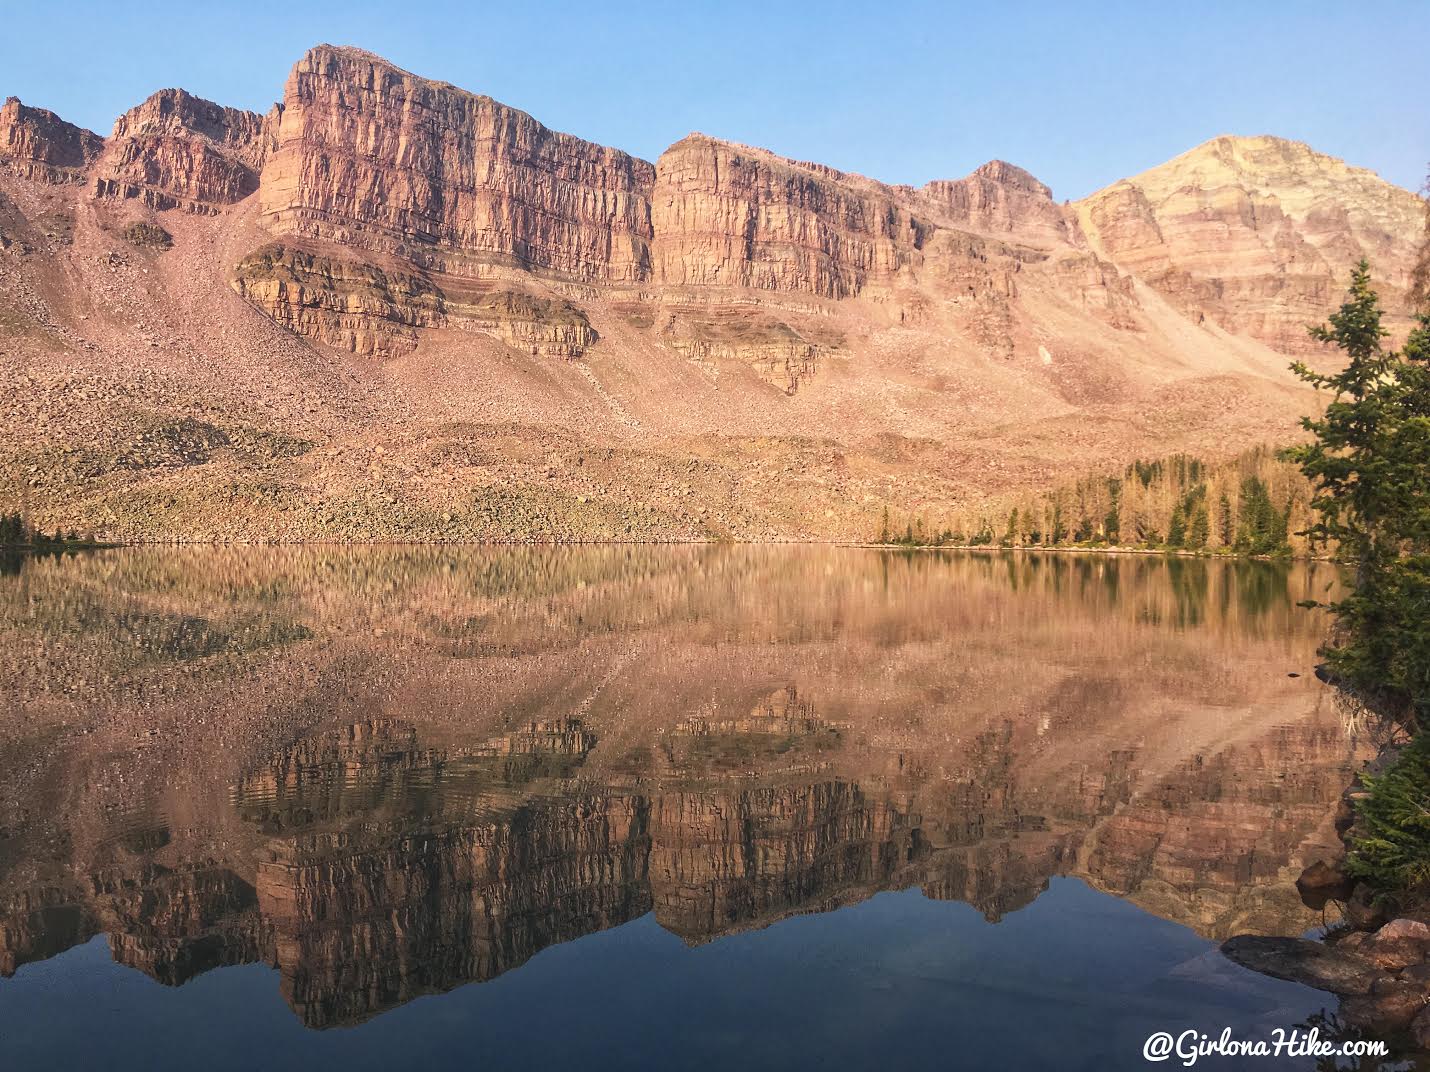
(373, 162)
(359, 306)
(375, 158)
(178, 151)
(38, 145)
(725, 343)
(1000, 198)
(1257, 235)
(398, 200)
(731, 216)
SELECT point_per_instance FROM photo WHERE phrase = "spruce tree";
(1369, 463)
(1201, 528)
(1177, 528)
(1112, 523)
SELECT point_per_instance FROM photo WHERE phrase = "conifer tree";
(1369, 462)
(1112, 521)
(1201, 528)
(1177, 527)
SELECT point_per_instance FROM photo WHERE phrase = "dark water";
(651, 808)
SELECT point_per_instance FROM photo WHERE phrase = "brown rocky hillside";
(391, 308)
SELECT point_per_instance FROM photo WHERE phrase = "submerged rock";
(1301, 960)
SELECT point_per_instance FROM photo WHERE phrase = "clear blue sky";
(1081, 94)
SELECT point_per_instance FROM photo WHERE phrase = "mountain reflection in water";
(389, 772)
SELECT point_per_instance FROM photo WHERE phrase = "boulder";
(1321, 883)
(1391, 1007)
(1399, 944)
(1418, 973)
(1350, 941)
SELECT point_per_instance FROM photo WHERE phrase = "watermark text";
(1192, 1045)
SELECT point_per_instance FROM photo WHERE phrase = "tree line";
(16, 531)
(1256, 503)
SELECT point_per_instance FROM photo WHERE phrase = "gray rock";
(1303, 961)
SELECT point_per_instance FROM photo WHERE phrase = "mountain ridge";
(755, 347)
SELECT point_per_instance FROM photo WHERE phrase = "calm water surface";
(651, 808)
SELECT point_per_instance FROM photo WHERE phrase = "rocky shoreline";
(1376, 960)
(106, 543)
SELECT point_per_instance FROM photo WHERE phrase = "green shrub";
(148, 235)
(1390, 843)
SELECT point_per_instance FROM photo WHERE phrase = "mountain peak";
(41, 145)
(324, 51)
(347, 62)
(1010, 175)
(1194, 225)
(177, 111)
(1260, 160)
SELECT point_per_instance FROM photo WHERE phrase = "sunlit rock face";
(729, 215)
(1257, 235)
(38, 145)
(376, 158)
(387, 773)
(178, 151)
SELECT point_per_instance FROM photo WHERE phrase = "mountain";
(1255, 233)
(393, 308)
